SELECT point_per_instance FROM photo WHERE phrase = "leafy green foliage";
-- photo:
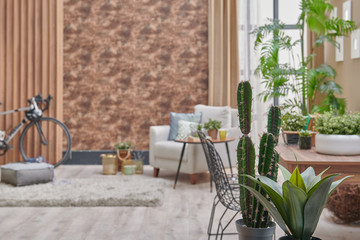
(212, 124)
(293, 121)
(298, 203)
(347, 124)
(305, 82)
(124, 145)
(303, 133)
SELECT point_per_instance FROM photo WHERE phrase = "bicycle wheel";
(47, 137)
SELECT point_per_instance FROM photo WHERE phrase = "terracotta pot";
(213, 133)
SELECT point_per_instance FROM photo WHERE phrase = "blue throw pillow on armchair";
(176, 117)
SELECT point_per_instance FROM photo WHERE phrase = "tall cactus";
(253, 212)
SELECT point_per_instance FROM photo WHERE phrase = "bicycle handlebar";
(39, 99)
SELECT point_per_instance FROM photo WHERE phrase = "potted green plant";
(123, 150)
(338, 135)
(297, 204)
(305, 81)
(305, 139)
(212, 126)
(255, 223)
(291, 124)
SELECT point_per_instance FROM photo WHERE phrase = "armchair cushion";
(185, 129)
(222, 114)
(174, 121)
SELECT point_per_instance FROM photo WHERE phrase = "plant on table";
(304, 81)
(297, 204)
(347, 124)
(212, 126)
(253, 213)
(292, 121)
(305, 139)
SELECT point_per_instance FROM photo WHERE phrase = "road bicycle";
(40, 136)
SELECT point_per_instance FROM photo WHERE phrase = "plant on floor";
(124, 145)
(305, 80)
(253, 213)
(297, 204)
(347, 124)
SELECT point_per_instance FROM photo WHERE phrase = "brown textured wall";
(127, 64)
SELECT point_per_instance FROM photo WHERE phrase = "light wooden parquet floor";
(184, 215)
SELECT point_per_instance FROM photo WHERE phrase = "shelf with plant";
(338, 135)
(305, 81)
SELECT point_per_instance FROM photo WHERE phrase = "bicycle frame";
(33, 106)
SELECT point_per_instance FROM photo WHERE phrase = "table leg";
(178, 170)
(227, 150)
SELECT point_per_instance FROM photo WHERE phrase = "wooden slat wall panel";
(31, 62)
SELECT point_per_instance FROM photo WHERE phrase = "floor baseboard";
(92, 157)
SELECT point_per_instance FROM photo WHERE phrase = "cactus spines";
(244, 99)
(254, 214)
(274, 122)
(246, 164)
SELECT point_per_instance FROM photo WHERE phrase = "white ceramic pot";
(338, 144)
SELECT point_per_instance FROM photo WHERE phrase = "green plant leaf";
(336, 183)
(313, 189)
(297, 179)
(295, 199)
(270, 208)
(315, 205)
(315, 180)
(286, 174)
(308, 175)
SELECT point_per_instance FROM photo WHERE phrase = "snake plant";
(298, 203)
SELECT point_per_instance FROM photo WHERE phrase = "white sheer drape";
(249, 13)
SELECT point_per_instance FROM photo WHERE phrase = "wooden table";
(198, 142)
(348, 165)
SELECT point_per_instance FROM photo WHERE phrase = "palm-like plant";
(306, 81)
(298, 203)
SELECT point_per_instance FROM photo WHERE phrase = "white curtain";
(249, 15)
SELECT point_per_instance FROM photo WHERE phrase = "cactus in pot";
(253, 213)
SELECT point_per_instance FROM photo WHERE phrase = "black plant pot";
(292, 139)
(305, 142)
(289, 238)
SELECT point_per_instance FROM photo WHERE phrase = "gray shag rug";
(117, 190)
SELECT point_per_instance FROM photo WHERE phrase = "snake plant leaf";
(315, 205)
(270, 208)
(295, 199)
(297, 179)
(286, 174)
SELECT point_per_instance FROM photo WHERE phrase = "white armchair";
(164, 153)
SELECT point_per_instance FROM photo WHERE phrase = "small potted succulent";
(212, 126)
(296, 206)
(291, 124)
(123, 150)
(338, 135)
(305, 139)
